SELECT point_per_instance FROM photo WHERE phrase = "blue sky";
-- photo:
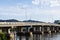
(41, 10)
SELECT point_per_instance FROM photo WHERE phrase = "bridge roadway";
(4, 24)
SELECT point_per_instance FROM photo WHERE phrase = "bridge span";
(35, 25)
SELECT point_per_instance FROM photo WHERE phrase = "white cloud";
(17, 10)
(54, 3)
(36, 2)
(51, 3)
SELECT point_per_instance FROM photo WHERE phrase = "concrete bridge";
(29, 27)
(35, 25)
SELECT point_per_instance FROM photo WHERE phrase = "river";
(54, 36)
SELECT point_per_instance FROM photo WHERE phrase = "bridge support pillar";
(48, 29)
(52, 29)
(9, 31)
(0, 30)
(42, 29)
(59, 29)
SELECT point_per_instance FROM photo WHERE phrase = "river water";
(54, 36)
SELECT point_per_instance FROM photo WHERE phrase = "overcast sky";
(41, 10)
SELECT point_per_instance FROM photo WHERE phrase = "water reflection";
(54, 36)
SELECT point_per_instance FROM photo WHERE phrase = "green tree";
(2, 36)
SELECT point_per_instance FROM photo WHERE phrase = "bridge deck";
(26, 24)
